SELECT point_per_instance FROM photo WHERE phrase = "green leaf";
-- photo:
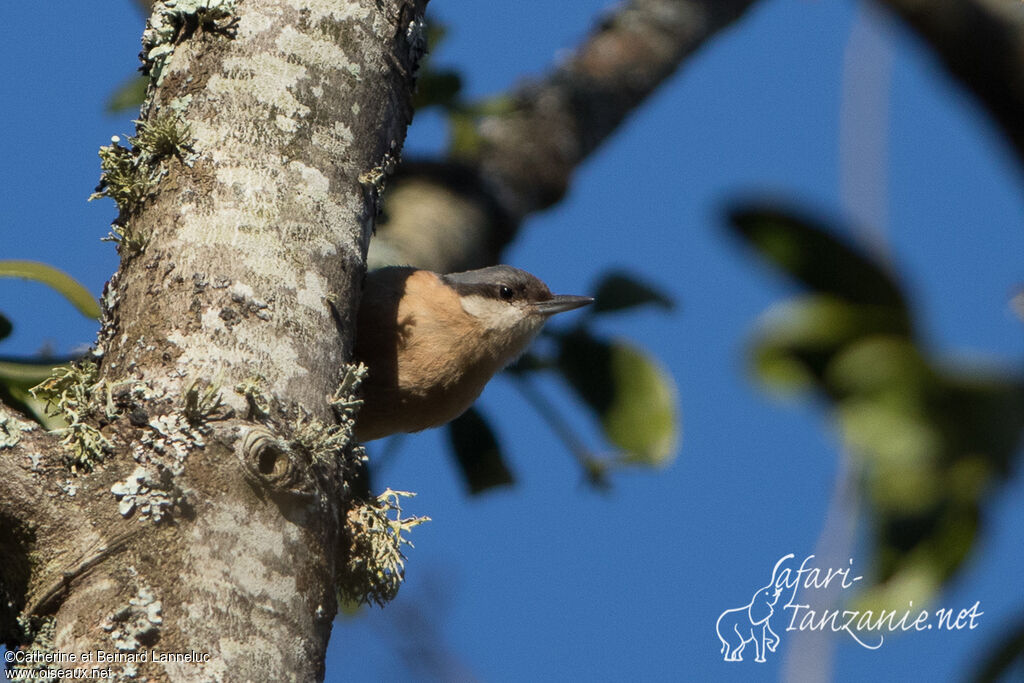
(812, 254)
(799, 340)
(76, 294)
(129, 95)
(437, 32)
(5, 326)
(478, 453)
(437, 88)
(917, 580)
(464, 138)
(618, 291)
(903, 449)
(528, 363)
(26, 373)
(881, 365)
(17, 377)
(634, 397)
(931, 439)
(984, 413)
(1006, 656)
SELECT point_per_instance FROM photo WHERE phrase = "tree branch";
(459, 214)
(981, 43)
(557, 123)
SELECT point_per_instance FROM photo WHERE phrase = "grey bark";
(240, 285)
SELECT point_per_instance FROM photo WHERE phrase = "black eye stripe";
(487, 282)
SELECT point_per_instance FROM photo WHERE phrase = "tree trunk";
(195, 506)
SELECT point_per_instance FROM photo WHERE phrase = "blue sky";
(551, 580)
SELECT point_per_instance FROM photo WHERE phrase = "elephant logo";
(749, 624)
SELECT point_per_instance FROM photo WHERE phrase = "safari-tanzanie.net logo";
(784, 604)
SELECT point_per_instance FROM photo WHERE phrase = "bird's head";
(510, 304)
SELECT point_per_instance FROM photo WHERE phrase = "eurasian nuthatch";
(431, 342)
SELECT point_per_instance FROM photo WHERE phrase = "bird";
(431, 342)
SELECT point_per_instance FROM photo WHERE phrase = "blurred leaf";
(586, 364)
(464, 138)
(902, 449)
(917, 581)
(5, 326)
(799, 339)
(499, 105)
(1006, 658)
(27, 373)
(984, 411)
(931, 438)
(815, 256)
(129, 95)
(1017, 303)
(645, 422)
(779, 371)
(437, 89)
(917, 553)
(618, 291)
(349, 608)
(76, 294)
(634, 397)
(17, 377)
(28, 405)
(527, 363)
(880, 365)
(437, 33)
(478, 453)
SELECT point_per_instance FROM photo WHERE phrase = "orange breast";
(426, 360)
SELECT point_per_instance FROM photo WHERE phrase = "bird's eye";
(506, 292)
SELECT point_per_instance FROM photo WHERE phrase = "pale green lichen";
(376, 564)
(163, 136)
(326, 442)
(174, 21)
(377, 531)
(11, 429)
(179, 104)
(129, 174)
(376, 177)
(125, 180)
(127, 393)
(136, 624)
(255, 393)
(167, 442)
(345, 401)
(202, 402)
(323, 442)
(71, 393)
(37, 636)
(147, 490)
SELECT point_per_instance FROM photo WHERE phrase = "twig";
(593, 466)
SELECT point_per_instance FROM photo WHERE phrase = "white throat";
(515, 323)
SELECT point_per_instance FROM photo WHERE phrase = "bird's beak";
(560, 303)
